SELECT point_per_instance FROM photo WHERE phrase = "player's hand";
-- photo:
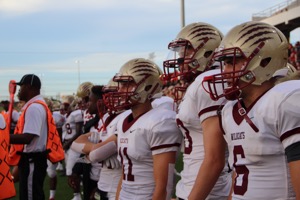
(113, 162)
(94, 137)
(74, 181)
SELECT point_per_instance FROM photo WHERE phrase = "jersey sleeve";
(206, 107)
(165, 137)
(288, 120)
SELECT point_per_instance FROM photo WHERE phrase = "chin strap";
(243, 113)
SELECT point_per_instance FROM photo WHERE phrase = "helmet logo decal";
(257, 32)
(202, 31)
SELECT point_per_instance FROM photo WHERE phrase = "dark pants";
(32, 173)
(89, 185)
(102, 194)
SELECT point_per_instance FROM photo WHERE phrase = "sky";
(68, 42)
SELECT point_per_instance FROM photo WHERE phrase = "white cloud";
(21, 7)
(18, 7)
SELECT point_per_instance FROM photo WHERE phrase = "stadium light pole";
(78, 67)
(182, 14)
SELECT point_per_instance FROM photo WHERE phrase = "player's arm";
(214, 159)
(82, 144)
(295, 176)
(293, 157)
(163, 169)
(103, 150)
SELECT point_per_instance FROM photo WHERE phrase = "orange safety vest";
(7, 186)
(54, 145)
(5, 115)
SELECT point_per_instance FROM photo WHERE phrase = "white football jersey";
(109, 177)
(195, 107)
(164, 102)
(259, 157)
(59, 119)
(96, 167)
(69, 129)
(152, 133)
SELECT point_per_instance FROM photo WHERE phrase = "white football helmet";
(191, 51)
(56, 105)
(67, 99)
(145, 76)
(84, 89)
(264, 49)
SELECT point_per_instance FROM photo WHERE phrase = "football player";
(111, 169)
(83, 92)
(71, 130)
(205, 173)
(148, 138)
(89, 173)
(261, 121)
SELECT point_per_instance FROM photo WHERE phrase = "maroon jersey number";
(189, 147)
(129, 176)
(68, 127)
(241, 171)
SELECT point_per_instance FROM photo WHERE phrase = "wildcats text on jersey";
(124, 140)
(238, 136)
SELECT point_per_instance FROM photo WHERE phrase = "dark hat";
(30, 79)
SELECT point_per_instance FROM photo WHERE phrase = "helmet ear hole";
(148, 87)
(207, 54)
(264, 62)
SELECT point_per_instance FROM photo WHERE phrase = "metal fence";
(281, 7)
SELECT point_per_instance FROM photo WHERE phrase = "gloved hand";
(112, 162)
(94, 137)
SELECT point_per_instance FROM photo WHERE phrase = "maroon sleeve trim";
(208, 109)
(290, 133)
(165, 146)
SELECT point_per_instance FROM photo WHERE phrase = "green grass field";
(64, 192)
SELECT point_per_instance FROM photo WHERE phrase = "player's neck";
(251, 93)
(140, 109)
